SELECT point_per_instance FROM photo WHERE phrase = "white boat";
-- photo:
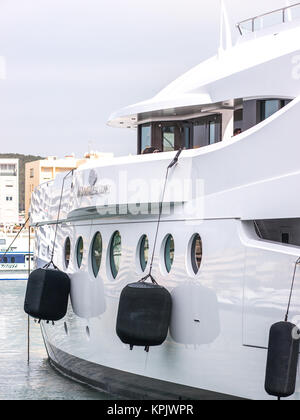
(227, 248)
(15, 257)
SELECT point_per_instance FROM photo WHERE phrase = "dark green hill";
(23, 159)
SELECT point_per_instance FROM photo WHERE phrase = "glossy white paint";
(263, 60)
(222, 315)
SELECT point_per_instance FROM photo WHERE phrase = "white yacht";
(229, 236)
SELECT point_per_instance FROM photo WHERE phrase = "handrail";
(256, 18)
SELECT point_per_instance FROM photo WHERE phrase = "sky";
(71, 63)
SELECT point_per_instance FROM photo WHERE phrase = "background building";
(9, 191)
(41, 171)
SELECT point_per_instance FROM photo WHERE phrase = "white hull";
(222, 315)
(232, 338)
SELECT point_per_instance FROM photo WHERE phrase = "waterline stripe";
(13, 279)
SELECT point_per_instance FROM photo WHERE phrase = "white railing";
(276, 17)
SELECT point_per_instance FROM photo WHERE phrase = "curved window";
(144, 252)
(115, 253)
(67, 252)
(169, 252)
(79, 252)
(196, 253)
(96, 254)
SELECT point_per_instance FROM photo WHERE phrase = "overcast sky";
(71, 63)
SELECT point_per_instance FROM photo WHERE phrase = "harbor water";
(38, 380)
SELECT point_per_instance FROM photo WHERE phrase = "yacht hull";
(123, 384)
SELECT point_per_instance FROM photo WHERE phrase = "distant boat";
(14, 264)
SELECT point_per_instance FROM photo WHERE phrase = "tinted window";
(169, 253)
(196, 253)
(96, 253)
(79, 252)
(268, 108)
(168, 139)
(212, 133)
(115, 253)
(67, 252)
(145, 137)
(144, 252)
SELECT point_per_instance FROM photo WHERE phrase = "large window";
(207, 130)
(145, 135)
(170, 136)
(270, 107)
(168, 139)
(212, 132)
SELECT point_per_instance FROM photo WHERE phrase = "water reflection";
(38, 381)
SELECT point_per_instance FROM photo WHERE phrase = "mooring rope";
(297, 263)
(57, 221)
(173, 163)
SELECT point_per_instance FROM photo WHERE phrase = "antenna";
(225, 30)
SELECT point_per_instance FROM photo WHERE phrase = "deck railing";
(276, 17)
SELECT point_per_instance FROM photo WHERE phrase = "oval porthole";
(196, 253)
(144, 252)
(67, 252)
(169, 252)
(115, 254)
(96, 253)
(79, 251)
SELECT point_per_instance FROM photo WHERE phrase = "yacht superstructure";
(229, 235)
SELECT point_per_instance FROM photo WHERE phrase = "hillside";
(23, 159)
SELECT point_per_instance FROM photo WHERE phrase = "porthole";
(79, 252)
(67, 252)
(144, 252)
(96, 253)
(196, 253)
(169, 252)
(115, 254)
